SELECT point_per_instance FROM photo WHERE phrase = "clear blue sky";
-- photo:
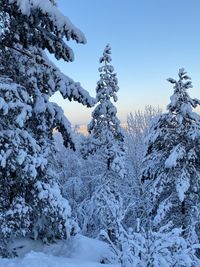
(150, 40)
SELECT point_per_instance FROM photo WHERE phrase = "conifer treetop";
(106, 55)
(181, 102)
(107, 86)
(105, 112)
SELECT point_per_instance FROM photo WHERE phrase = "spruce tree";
(172, 163)
(106, 143)
(31, 203)
(106, 137)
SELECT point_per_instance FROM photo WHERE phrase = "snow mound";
(78, 252)
(38, 259)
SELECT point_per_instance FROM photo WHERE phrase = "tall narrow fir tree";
(106, 135)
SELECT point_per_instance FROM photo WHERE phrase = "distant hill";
(82, 128)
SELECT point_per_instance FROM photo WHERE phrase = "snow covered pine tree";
(106, 141)
(31, 204)
(106, 136)
(172, 162)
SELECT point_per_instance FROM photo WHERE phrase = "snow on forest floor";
(79, 252)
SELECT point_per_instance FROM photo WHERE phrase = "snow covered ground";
(79, 252)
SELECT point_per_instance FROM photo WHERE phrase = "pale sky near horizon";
(150, 40)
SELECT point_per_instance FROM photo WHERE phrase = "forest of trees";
(138, 188)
